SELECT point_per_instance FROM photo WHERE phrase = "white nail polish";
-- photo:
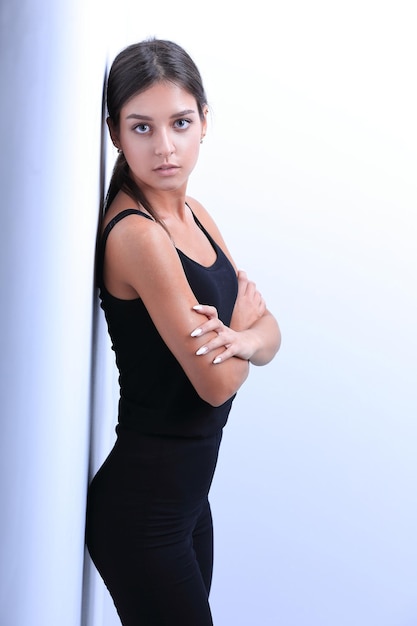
(217, 360)
(196, 332)
(202, 350)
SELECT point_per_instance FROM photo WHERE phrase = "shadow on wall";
(89, 592)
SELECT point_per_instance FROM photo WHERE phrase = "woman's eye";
(182, 124)
(142, 128)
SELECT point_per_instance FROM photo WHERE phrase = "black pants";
(149, 528)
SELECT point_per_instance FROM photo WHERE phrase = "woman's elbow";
(224, 386)
(215, 398)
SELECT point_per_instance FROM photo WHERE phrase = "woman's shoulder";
(134, 239)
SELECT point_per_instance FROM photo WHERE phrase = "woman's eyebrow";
(148, 118)
(182, 113)
(138, 116)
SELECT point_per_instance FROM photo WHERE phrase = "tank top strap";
(201, 227)
(103, 240)
(117, 219)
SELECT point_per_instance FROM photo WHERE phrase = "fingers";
(247, 289)
(245, 286)
(222, 339)
(242, 282)
(227, 353)
(206, 309)
(221, 358)
(213, 323)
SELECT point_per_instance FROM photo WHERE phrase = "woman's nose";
(164, 146)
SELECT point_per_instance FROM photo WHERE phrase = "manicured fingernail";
(197, 307)
(196, 332)
(202, 350)
(217, 360)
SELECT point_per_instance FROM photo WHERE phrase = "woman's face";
(160, 131)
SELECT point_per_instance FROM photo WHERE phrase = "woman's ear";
(204, 122)
(113, 133)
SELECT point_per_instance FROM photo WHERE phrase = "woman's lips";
(166, 169)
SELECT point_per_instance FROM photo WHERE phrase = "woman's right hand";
(249, 306)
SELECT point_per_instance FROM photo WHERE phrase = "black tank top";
(156, 397)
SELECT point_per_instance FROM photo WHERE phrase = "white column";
(52, 75)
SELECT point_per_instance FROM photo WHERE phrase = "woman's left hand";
(231, 340)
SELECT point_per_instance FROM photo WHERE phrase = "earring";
(119, 151)
(201, 140)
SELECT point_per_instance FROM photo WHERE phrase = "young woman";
(185, 325)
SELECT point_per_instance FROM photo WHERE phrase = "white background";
(309, 168)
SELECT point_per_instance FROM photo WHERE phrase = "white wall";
(309, 169)
(50, 154)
